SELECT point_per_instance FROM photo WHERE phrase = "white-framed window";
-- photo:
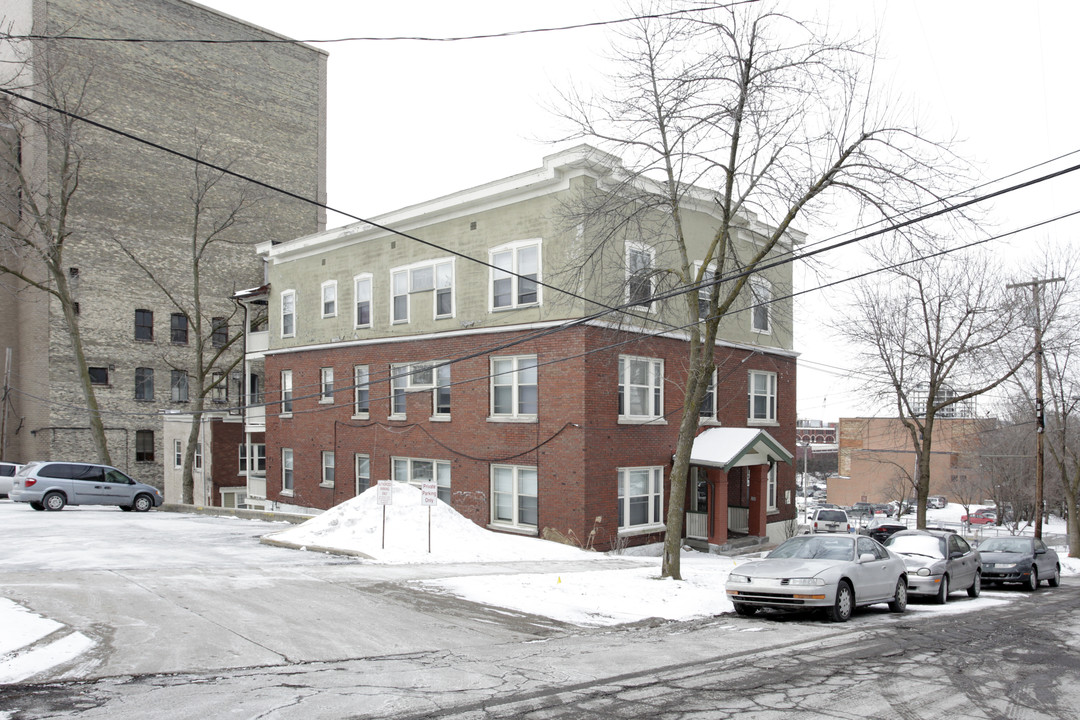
(416, 472)
(361, 392)
(286, 471)
(286, 393)
(362, 466)
(410, 377)
(178, 454)
(641, 497)
(362, 293)
(760, 298)
(258, 460)
(288, 313)
(639, 274)
(327, 469)
(762, 395)
(515, 275)
(198, 456)
(242, 456)
(705, 293)
(326, 385)
(179, 386)
(707, 410)
(441, 395)
(220, 391)
(641, 388)
(329, 299)
(513, 496)
(514, 387)
(770, 489)
(435, 276)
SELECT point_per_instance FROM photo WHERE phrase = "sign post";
(429, 495)
(385, 497)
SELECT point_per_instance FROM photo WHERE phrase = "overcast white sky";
(410, 120)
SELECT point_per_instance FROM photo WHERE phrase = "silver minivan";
(52, 485)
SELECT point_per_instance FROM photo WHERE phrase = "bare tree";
(762, 120)
(41, 158)
(219, 207)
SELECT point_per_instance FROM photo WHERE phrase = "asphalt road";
(248, 634)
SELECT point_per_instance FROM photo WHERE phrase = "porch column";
(718, 508)
(758, 500)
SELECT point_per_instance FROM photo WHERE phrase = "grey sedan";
(938, 562)
(1019, 560)
(832, 572)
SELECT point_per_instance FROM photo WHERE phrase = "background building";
(260, 108)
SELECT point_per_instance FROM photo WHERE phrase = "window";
(219, 332)
(399, 289)
(257, 466)
(327, 469)
(361, 393)
(99, 375)
(641, 388)
(442, 390)
(515, 274)
(639, 270)
(640, 497)
(444, 290)
(362, 286)
(760, 297)
(144, 383)
(144, 325)
(407, 377)
(329, 298)
(288, 313)
(178, 454)
(762, 396)
(399, 380)
(198, 456)
(286, 392)
(423, 277)
(707, 411)
(513, 496)
(286, 471)
(242, 462)
(513, 387)
(179, 386)
(144, 446)
(705, 294)
(363, 472)
(417, 472)
(219, 390)
(770, 489)
(178, 329)
(326, 385)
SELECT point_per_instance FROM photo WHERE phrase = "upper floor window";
(220, 388)
(760, 298)
(707, 410)
(286, 392)
(144, 383)
(641, 388)
(144, 325)
(178, 329)
(441, 400)
(362, 290)
(178, 454)
(219, 332)
(288, 313)
(407, 377)
(762, 394)
(361, 392)
(326, 385)
(437, 276)
(327, 469)
(514, 387)
(329, 298)
(705, 289)
(98, 375)
(179, 386)
(639, 274)
(258, 459)
(515, 275)
(362, 463)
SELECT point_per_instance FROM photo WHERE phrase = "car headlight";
(806, 581)
(923, 571)
(738, 579)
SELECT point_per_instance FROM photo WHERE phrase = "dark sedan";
(882, 528)
(1023, 560)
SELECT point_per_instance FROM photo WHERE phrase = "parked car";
(831, 572)
(882, 528)
(938, 562)
(1019, 560)
(7, 471)
(936, 502)
(52, 485)
(829, 520)
(982, 516)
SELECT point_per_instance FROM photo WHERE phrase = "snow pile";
(357, 526)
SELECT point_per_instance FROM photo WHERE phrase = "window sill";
(710, 421)
(327, 485)
(326, 402)
(360, 416)
(144, 400)
(512, 419)
(625, 420)
(395, 417)
(508, 308)
(439, 418)
(285, 416)
(287, 493)
(642, 530)
(772, 511)
(762, 423)
(515, 529)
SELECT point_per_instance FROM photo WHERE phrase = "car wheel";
(844, 604)
(1055, 579)
(1033, 580)
(899, 602)
(744, 609)
(143, 503)
(976, 585)
(943, 591)
(54, 501)
(37, 506)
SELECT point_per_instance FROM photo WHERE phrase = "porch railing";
(738, 519)
(697, 525)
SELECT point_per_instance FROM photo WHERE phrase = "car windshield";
(832, 516)
(812, 547)
(1008, 545)
(926, 545)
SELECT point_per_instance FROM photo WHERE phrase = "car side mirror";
(957, 554)
(1040, 552)
(867, 557)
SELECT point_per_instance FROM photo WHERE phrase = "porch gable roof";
(726, 448)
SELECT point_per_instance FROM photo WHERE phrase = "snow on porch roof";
(735, 447)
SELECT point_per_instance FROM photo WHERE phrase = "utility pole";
(1040, 420)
